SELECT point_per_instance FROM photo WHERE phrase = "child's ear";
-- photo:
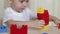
(10, 1)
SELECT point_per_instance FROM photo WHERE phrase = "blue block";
(45, 33)
(3, 29)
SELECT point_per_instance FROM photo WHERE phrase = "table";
(51, 30)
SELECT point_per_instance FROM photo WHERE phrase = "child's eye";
(27, 1)
(21, 1)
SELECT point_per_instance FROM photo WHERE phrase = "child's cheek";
(18, 6)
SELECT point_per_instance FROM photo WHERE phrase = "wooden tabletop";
(51, 30)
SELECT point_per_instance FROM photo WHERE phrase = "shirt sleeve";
(7, 16)
(33, 15)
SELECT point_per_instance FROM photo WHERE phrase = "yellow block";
(44, 28)
(40, 10)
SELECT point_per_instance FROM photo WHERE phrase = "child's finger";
(42, 21)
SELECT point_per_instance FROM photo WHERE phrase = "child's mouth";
(22, 8)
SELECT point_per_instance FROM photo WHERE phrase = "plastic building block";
(3, 29)
(40, 10)
(44, 28)
(44, 15)
(15, 30)
(58, 26)
(45, 33)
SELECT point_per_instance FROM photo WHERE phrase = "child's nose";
(24, 4)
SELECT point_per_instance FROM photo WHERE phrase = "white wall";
(3, 5)
(57, 8)
(1, 8)
(48, 4)
(52, 5)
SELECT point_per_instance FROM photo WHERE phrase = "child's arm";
(0, 22)
(56, 20)
(31, 24)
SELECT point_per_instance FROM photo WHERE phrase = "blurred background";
(52, 5)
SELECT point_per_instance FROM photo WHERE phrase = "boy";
(18, 13)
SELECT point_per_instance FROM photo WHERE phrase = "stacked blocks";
(43, 14)
(15, 30)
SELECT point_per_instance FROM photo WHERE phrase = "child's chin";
(20, 10)
(23, 8)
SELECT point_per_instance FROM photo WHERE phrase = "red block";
(44, 16)
(15, 30)
(58, 26)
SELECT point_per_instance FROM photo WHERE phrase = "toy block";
(40, 10)
(15, 30)
(3, 29)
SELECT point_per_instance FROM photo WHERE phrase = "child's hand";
(39, 23)
(57, 21)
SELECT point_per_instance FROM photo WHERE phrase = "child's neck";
(16, 10)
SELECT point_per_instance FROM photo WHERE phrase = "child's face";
(19, 5)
